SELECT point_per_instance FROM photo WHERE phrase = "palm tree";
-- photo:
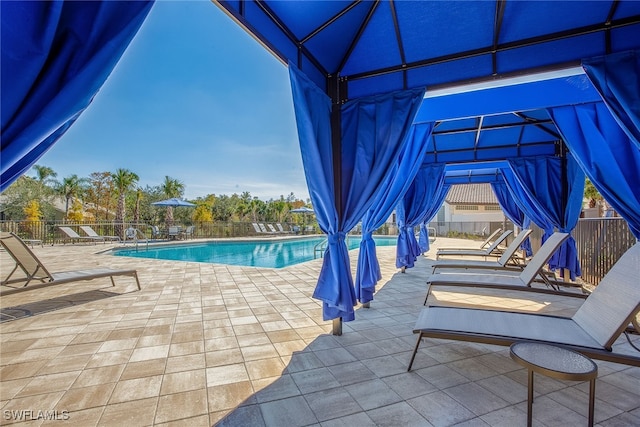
(171, 188)
(71, 188)
(123, 180)
(136, 209)
(44, 174)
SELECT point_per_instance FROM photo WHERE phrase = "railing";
(600, 243)
(48, 231)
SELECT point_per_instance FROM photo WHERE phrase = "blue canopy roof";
(385, 45)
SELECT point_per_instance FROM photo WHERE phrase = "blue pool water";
(272, 254)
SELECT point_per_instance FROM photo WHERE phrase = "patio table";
(555, 362)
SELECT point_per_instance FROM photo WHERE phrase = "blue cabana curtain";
(432, 210)
(373, 136)
(617, 78)
(541, 179)
(368, 270)
(512, 211)
(417, 201)
(55, 57)
(606, 154)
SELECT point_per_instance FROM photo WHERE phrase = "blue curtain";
(55, 58)
(541, 180)
(405, 170)
(432, 210)
(617, 78)
(422, 194)
(373, 136)
(606, 154)
(512, 211)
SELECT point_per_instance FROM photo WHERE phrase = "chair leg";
(415, 351)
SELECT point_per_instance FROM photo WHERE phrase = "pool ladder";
(322, 247)
(137, 241)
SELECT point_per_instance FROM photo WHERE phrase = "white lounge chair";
(92, 233)
(592, 330)
(74, 237)
(505, 279)
(502, 262)
(34, 270)
(492, 250)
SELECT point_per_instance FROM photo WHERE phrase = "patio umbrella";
(171, 203)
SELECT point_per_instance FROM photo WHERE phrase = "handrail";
(320, 247)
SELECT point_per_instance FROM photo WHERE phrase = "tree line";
(116, 196)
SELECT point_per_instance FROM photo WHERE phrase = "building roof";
(477, 194)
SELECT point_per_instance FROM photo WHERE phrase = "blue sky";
(196, 98)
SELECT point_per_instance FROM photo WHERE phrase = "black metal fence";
(600, 241)
(49, 232)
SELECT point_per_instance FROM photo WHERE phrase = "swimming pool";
(255, 253)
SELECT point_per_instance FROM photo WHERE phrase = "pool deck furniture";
(34, 270)
(493, 250)
(92, 233)
(486, 242)
(554, 362)
(75, 237)
(595, 326)
(504, 278)
(502, 262)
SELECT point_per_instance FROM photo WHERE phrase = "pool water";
(271, 254)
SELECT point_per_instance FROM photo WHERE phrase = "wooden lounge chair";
(502, 278)
(74, 237)
(92, 233)
(35, 271)
(502, 262)
(592, 330)
(492, 250)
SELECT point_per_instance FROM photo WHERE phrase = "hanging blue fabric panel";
(373, 136)
(431, 211)
(526, 204)
(617, 78)
(412, 209)
(541, 179)
(512, 211)
(403, 173)
(607, 155)
(55, 58)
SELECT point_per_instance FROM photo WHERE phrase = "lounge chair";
(34, 270)
(503, 262)
(501, 278)
(281, 228)
(92, 233)
(256, 227)
(73, 236)
(272, 229)
(492, 250)
(592, 330)
(484, 244)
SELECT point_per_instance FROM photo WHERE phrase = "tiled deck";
(204, 344)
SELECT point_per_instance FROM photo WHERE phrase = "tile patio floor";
(206, 344)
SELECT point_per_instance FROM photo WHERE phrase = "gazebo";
(393, 99)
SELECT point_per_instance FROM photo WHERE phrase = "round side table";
(555, 362)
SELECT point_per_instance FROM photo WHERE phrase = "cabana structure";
(394, 101)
